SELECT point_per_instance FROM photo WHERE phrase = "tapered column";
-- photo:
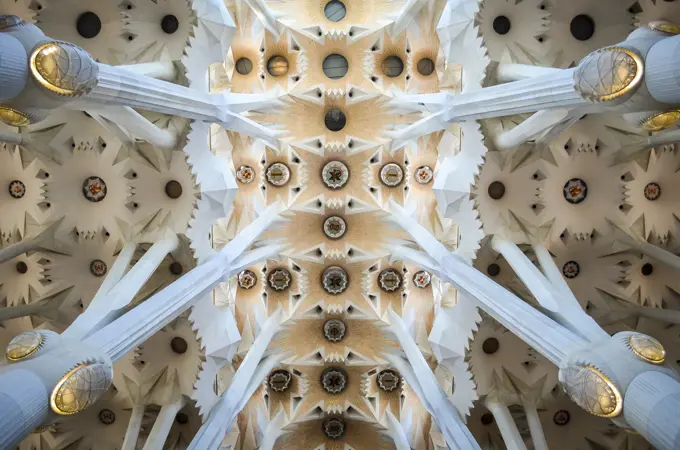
(397, 432)
(24, 405)
(535, 427)
(530, 128)
(247, 379)
(652, 407)
(137, 125)
(163, 424)
(161, 70)
(406, 15)
(514, 72)
(506, 424)
(10, 137)
(265, 14)
(661, 77)
(135, 424)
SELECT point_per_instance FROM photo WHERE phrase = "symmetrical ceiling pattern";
(82, 190)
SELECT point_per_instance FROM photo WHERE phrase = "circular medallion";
(334, 330)
(561, 417)
(107, 417)
(334, 380)
(591, 390)
(244, 66)
(247, 279)
(647, 348)
(575, 191)
(335, 120)
(422, 279)
(98, 268)
(94, 189)
(279, 380)
(335, 11)
(571, 269)
(335, 280)
(389, 280)
(334, 428)
(17, 189)
(334, 227)
(80, 387)
(64, 68)
(14, 117)
(10, 21)
(335, 174)
(245, 174)
(391, 174)
(279, 279)
(388, 380)
(652, 191)
(425, 67)
(278, 174)
(424, 174)
(23, 345)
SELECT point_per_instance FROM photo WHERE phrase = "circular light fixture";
(279, 380)
(335, 280)
(571, 269)
(575, 191)
(647, 348)
(392, 66)
(388, 380)
(335, 174)
(335, 11)
(334, 227)
(335, 120)
(422, 279)
(279, 279)
(335, 66)
(278, 174)
(98, 268)
(244, 66)
(79, 388)
(17, 189)
(277, 66)
(561, 417)
(591, 390)
(334, 428)
(334, 330)
(391, 174)
(652, 191)
(14, 117)
(94, 189)
(24, 345)
(247, 279)
(389, 280)
(245, 174)
(423, 174)
(334, 380)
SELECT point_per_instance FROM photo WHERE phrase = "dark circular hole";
(493, 269)
(182, 418)
(425, 66)
(244, 66)
(392, 66)
(88, 25)
(490, 346)
(487, 419)
(176, 268)
(173, 189)
(496, 190)
(501, 25)
(22, 267)
(582, 27)
(335, 120)
(335, 66)
(169, 24)
(179, 345)
(647, 269)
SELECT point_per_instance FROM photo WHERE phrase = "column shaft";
(161, 427)
(24, 406)
(135, 424)
(506, 425)
(535, 427)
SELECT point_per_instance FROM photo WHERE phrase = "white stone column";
(161, 70)
(535, 427)
(265, 14)
(506, 424)
(507, 72)
(137, 125)
(163, 424)
(24, 406)
(661, 71)
(135, 424)
(530, 128)
(45, 240)
(652, 406)
(10, 137)
(397, 432)
(406, 15)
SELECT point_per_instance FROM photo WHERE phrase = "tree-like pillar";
(506, 424)
(135, 424)
(161, 70)
(24, 401)
(652, 406)
(535, 427)
(161, 427)
(507, 72)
